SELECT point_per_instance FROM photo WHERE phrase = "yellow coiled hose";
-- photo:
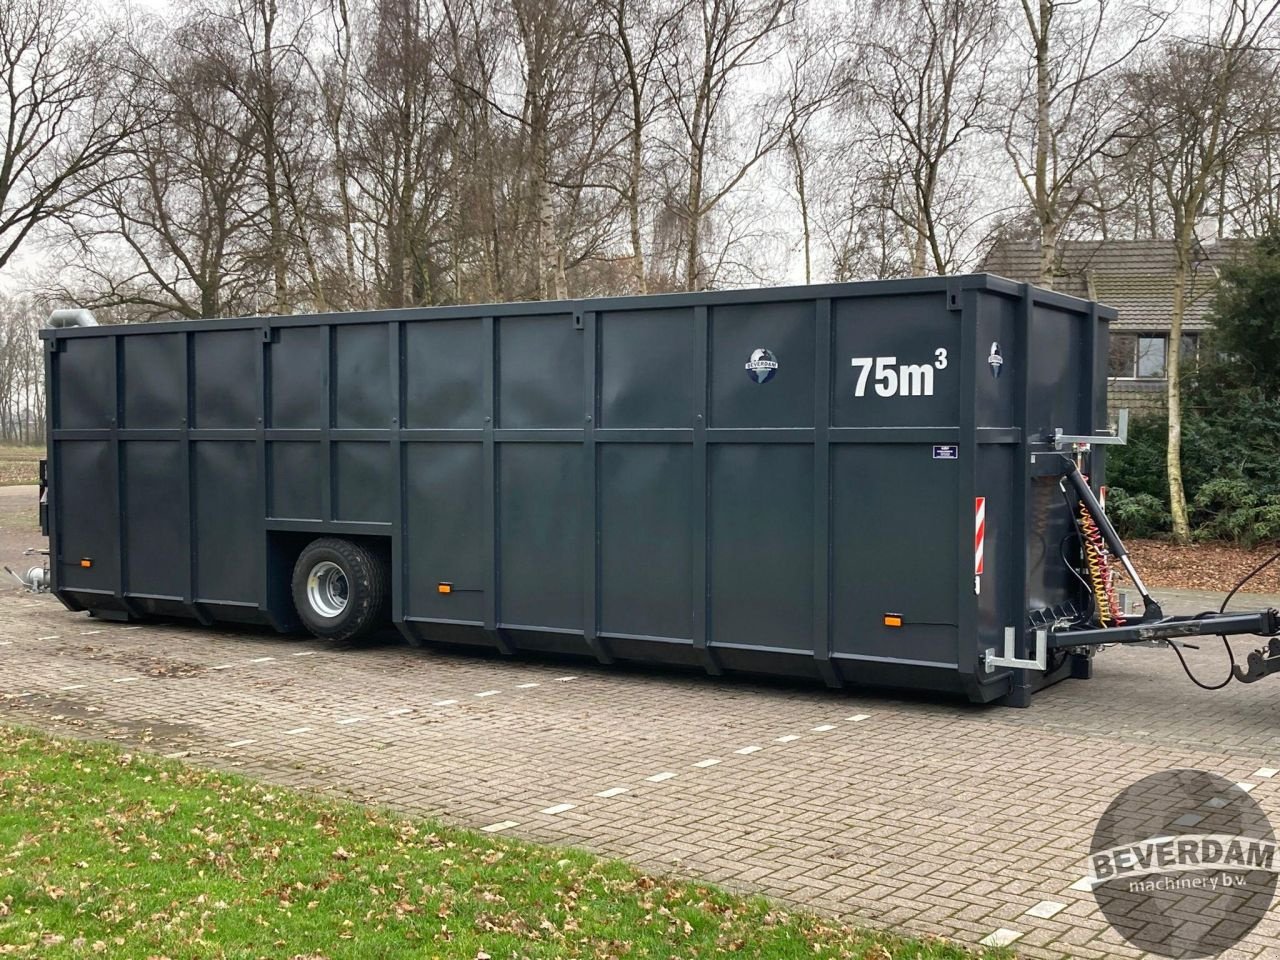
(1098, 566)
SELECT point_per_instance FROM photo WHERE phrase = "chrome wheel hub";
(327, 589)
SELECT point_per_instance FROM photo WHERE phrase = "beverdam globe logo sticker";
(762, 365)
(1183, 864)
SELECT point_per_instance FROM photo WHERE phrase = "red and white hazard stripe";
(979, 539)
(979, 532)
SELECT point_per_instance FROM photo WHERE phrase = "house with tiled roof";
(1136, 278)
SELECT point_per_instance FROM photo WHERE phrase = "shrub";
(1229, 436)
(1230, 423)
(1246, 315)
(1138, 491)
(1138, 466)
(1137, 515)
(1231, 508)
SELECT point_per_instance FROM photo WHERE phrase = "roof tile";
(1133, 276)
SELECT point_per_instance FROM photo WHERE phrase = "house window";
(1145, 357)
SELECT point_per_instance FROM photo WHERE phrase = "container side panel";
(154, 381)
(785, 399)
(156, 509)
(444, 544)
(1098, 458)
(647, 368)
(762, 544)
(87, 520)
(646, 545)
(996, 383)
(907, 349)
(1001, 593)
(85, 378)
(1101, 366)
(228, 516)
(540, 368)
(444, 374)
(893, 551)
(1059, 372)
(297, 480)
(297, 378)
(1052, 537)
(223, 398)
(363, 384)
(540, 515)
(362, 481)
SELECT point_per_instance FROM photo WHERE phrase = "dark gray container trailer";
(862, 482)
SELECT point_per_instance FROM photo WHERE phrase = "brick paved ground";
(936, 817)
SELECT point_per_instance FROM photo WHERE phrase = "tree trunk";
(271, 175)
(633, 201)
(1044, 205)
(803, 195)
(340, 170)
(1173, 453)
(545, 256)
(320, 302)
(918, 248)
(693, 203)
(404, 280)
(562, 283)
(408, 238)
(692, 264)
(278, 257)
(1049, 230)
(635, 173)
(455, 248)
(546, 218)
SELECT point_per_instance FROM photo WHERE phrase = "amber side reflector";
(444, 588)
(86, 562)
(893, 619)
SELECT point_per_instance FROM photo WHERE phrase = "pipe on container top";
(72, 317)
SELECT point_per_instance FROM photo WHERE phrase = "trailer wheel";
(340, 589)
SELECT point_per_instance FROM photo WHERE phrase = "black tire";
(351, 593)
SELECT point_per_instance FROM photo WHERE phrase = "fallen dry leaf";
(1202, 566)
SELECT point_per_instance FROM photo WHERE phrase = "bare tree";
(260, 46)
(862, 235)
(923, 82)
(566, 123)
(719, 41)
(1118, 199)
(22, 410)
(398, 149)
(66, 111)
(168, 231)
(548, 33)
(1249, 196)
(332, 76)
(639, 31)
(250, 155)
(483, 258)
(812, 85)
(1196, 107)
(532, 135)
(1062, 109)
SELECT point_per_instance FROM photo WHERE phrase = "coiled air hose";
(1098, 566)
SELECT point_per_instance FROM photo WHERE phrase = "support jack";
(992, 662)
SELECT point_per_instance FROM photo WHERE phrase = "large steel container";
(838, 480)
